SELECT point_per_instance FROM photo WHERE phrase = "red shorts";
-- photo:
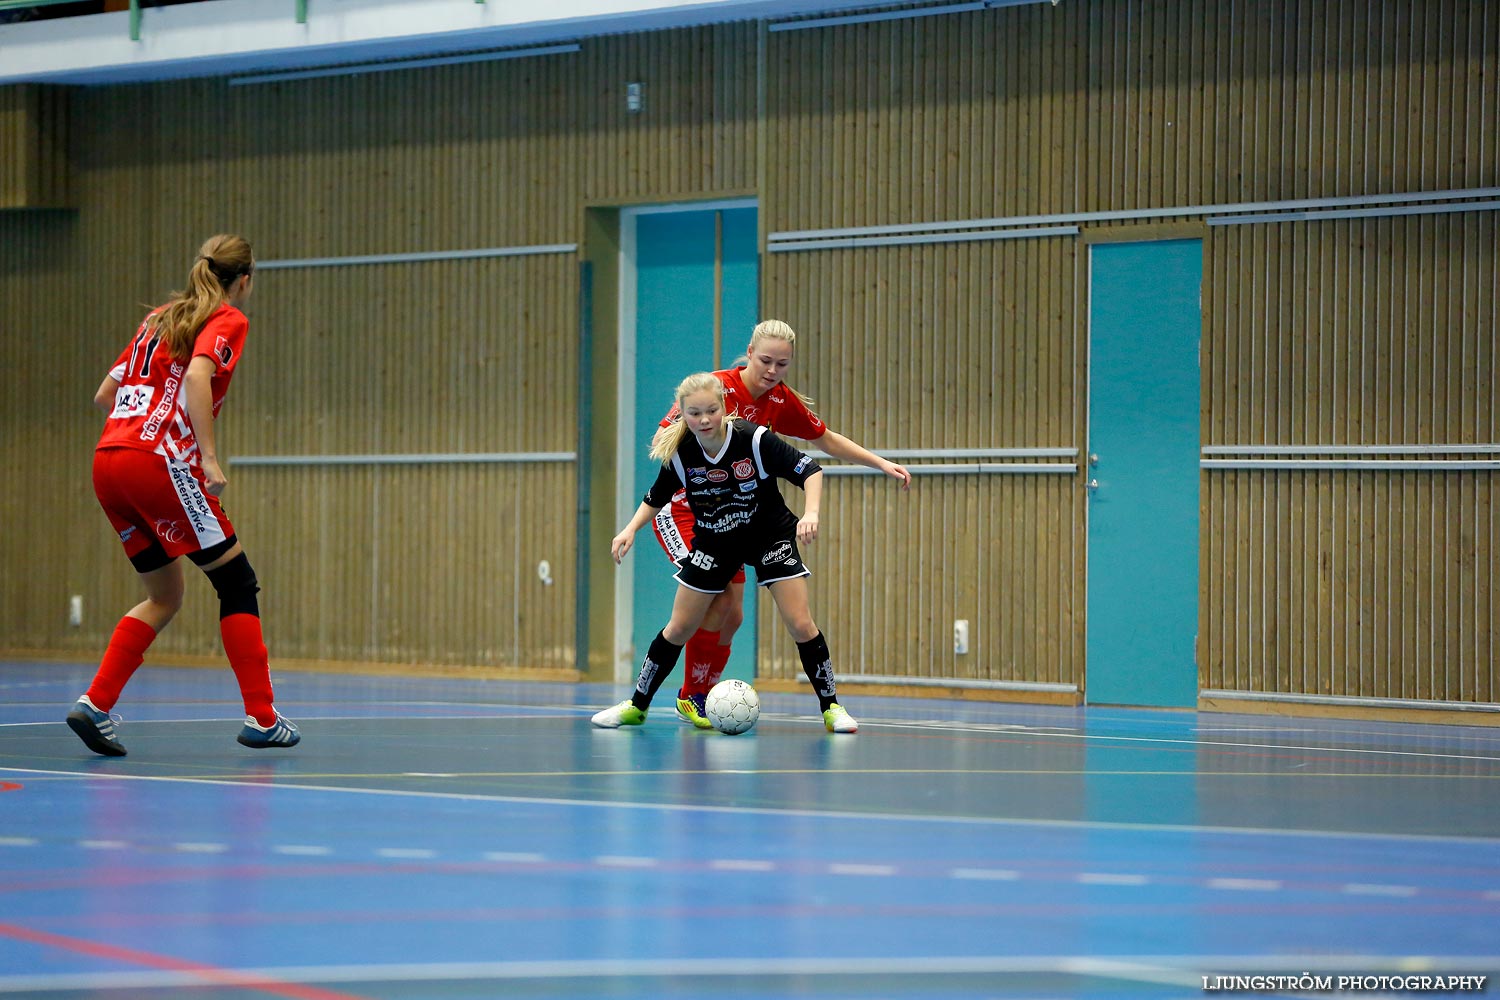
(153, 498)
(673, 525)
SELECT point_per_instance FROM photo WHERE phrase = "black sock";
(660, 659)
(817, 664)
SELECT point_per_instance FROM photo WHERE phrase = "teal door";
(1143, 445)
(692, 267)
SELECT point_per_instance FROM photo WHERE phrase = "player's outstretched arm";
(807, 526)
(841, 447)
(626, 537)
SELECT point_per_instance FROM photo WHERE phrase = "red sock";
(706, 660)
(697, 661)
(716, 667)
(246, 649)
(127, 648)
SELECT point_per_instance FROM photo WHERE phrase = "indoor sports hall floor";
(451, 838)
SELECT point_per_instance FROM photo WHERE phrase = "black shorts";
(714, 562)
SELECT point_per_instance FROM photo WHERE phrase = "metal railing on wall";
(974, 468)
(431, 458)
(1368, 457)
(1067, 223)
(418, 257)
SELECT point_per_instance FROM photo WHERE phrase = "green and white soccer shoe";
(623, 714)
(836, 720)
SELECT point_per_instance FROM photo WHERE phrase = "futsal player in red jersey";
(158, 477)
(728, 469)
(758, 393)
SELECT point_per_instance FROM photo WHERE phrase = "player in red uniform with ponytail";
(757, 393)
(157, 476)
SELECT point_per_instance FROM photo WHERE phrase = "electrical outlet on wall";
(961, 636)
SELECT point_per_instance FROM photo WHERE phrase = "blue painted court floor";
(452, 838)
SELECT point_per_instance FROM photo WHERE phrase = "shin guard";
(126, 652)
(246, 649)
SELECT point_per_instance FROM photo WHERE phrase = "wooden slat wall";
(1152, 104)
(1376, 331)
(470, 365)
(34, 169)
(942, 346)
(419, 564)
(973, 345)
(1359, 583)
(951, 117)
(1130, 104)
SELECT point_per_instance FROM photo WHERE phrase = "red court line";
(10, 786)
(211, 975)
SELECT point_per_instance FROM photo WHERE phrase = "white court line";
(1370, 889)
(1470, 733)
(865, 817)
(302, 850)
(976, 727)
(1240, 729)
(1111, 878)
(852, 869)
(566, 711)
(515, 857)
(987, 874)
(735, 865)
(1202, 744)
(833, 868)
(128, 721)
(1175, 970)
(1245, 884)
(1068, 733)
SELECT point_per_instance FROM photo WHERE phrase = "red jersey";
(150, 411)
(780, 409)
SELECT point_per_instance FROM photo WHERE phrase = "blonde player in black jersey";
(729, 469)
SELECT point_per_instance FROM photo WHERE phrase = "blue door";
(1144, 329)
(692, 265)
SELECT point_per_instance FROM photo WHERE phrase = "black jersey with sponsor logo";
(735, 489)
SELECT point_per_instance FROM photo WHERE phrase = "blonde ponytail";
(669, 438)
(668, 441)
(221, 261)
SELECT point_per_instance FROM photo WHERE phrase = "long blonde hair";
(669, 439)
(221, 260)
(775, 329)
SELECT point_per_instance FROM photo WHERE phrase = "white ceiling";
(224, 37)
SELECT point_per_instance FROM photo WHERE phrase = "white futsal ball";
(732, 706)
